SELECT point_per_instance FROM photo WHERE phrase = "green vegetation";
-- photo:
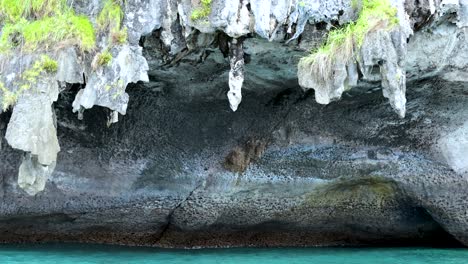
(111, 15)
(34, 25)
(111, 18)
(28, 78)
(342, 43)
(367, 190)
(9, 98)
(40, 26)
(14, 10)
(104, 58)
(45, 64)
(203, 11)
(120, 36)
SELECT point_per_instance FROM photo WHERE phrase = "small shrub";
(49, 65)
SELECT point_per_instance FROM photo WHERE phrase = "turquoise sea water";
(76, 254)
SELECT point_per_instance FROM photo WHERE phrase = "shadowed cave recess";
(193, 124)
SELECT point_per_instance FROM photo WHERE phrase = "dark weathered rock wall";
(180, 169)
(158, 177)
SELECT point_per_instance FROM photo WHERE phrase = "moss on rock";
(45, 65)
(367, 190)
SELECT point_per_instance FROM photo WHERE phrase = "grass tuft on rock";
(342, 43)
(203, 11)
(110, 18)
(14, 10)
(104, 58)
(34, 25)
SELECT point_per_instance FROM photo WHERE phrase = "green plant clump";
(8, 99)
(104, 58)
(111, 18)
(43, 65)
(28, 78)
(14, 10)
(343, 42)
(42, 24)
(203, 11)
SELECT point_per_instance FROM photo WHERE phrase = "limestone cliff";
(189, 123)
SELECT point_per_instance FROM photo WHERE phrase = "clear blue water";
(76, 254)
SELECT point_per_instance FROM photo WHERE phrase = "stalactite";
(236, 74)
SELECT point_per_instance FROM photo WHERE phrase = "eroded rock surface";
(178, 169)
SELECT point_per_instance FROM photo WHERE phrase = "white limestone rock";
(385, 48)
(32, 127)
(379, 49)
(106, 85)
(236, 74)
(326, 90)
(454, 148)
(142, 17)
(32, 175)
(70, 69)
(232, 17)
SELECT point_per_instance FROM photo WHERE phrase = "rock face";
(384, 46)
(181, 169)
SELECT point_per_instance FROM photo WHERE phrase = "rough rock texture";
(382, 47)
(106, 86)
(454, 146)
(180, 169)
(32, 127)
(236, 74)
